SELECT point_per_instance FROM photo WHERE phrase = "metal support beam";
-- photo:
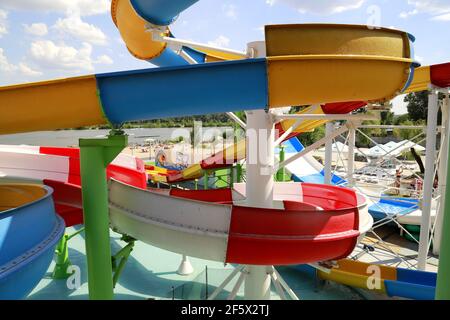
(351, 153)
(236, 119)
(443, 278)
(95, 155)
(329, 126)
(329, 117)
(312, 147)
(260, 158)
(443, 167)
(429, 179)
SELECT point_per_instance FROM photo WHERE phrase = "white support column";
(351, 153)
(185, 267)
(328, 152)
(429, 179)
(442, 173)
(260, 136)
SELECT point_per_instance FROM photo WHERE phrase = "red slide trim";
(223, 196)
(68, 201)
(74, 161)
(279, 237)
(440, 75)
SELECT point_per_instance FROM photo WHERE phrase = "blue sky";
(45, 39)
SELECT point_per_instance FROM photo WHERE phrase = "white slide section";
(306, 168)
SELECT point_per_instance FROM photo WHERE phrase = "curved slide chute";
(310, 223)
(29, 232)
(249, 84)
(59, 168)
(300, 68)
(394, 282)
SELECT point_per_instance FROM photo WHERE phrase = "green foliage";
(418, 106)
(308, 138)
(410, 133)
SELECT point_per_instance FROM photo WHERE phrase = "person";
(398, 176)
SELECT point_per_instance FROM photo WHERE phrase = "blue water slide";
(395, 206)
(161, 12)
(412, 284)
(28, 237)
(293, 145)
(184, 91)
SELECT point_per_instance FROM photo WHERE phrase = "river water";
(64, 138)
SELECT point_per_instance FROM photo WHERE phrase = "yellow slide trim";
(324, 63)
(335, 39)
(305, 82)
(16, 195)
(50, 105)
(421, 81)
(356, 274)
(132, 29)
(192, 172)
(306, 125)
(219, 55)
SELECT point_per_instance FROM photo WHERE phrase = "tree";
(308, 138)
(418, 106)
(408, 134)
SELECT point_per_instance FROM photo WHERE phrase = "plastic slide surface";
(29, 232)
(59, 168)
(309, 223)
(269, 82)
(394, 282)
(306, 169)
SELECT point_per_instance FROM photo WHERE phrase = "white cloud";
(325, 7)
(36, 29)
(83, 7)
(3, 22)
(230, 11)
(442, 17)
(74, 26)
(220, 41)
(439, 9)
(8, 68)
(26, 70)
(399, 106)
(104, 59)
(62, 57)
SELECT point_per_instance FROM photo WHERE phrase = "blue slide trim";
(393, 207)
(161, 12)
(28, 237)
(412, 284)
(168, 58)
(184, 91)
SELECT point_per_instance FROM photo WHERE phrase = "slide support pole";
(443, 165)
(95, 155)
(281, 174)
(429, 179)
(328, 152)
(260, 138)
(443, 278)
(351, 153)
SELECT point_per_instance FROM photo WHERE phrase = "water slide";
(393, 282)
(29, 232)
(306, 169)
(406, 209)
(324, 218)
(59, 168)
